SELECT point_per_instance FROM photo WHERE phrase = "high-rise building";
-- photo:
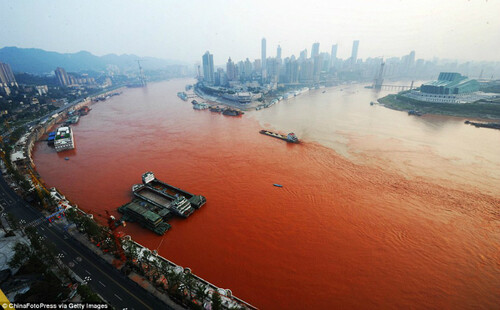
(318, 64)
(6, 75)
(333, 55)
(315, 50)
(62, 77)
(263, 58)
(411, 59)
(354, 54)
(208, 68)
(230, 70)
(248, 68)
(278, 52)
(219, 77)
(292, 71)
(303, 55)
(306, 72)
(257, 66)
(273, 69)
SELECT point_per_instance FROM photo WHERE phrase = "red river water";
(377, 209)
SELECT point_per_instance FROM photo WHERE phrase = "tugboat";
(291, 137)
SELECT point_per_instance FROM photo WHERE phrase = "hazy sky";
(184, 30)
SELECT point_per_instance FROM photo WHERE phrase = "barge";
(291, 137)
(200, 106)
(414, 112)
(216, 109)
(64, 139)
(146, 215)
(149, 180)
(72, 120)
(232, 112)
(485, 125)
(178, 205)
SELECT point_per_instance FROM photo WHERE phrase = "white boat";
(64, 139)
(200, 106)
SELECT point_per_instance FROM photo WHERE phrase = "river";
(377, 210)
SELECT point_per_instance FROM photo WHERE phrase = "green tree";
(21, 254)
(190, 283)
(88, 295)
(216, 301)
(200, 292)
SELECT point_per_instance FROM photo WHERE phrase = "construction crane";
(141, 74)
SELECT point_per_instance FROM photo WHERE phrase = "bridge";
(393, 87)
(378, 83)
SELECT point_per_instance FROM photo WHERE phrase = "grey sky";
(184, 30)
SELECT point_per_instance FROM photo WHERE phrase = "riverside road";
(118, 290)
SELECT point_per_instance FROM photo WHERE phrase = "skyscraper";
(208, 68)
(248, 68)
(62, 77)
(315, 50)
(292, 71)
(263, 58)
(333, 56)
(6, 75)
(318, 63)
(278, 52)
(303, 55)
(230, 70)
(273, 69)
(354, 54)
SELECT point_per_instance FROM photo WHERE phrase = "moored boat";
(291, 137)
(64, 139)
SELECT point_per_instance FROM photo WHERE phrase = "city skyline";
(454, 30)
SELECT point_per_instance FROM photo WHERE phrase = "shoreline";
(464, 111)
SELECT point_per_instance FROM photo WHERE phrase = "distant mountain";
(38, 61)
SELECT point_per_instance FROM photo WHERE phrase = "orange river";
(378, 209)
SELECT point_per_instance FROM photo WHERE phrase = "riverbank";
(489, 111)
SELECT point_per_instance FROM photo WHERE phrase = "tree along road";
(117, 289)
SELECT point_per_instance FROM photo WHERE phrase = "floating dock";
(142, 213)
(150, 181)
(178, 205)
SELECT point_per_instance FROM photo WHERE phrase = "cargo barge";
(146, 214)
(485, 125)
(64, 139)
(291, 137)
(150, 181)
(178, 205)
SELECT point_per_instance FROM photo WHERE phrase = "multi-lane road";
(117, 289)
